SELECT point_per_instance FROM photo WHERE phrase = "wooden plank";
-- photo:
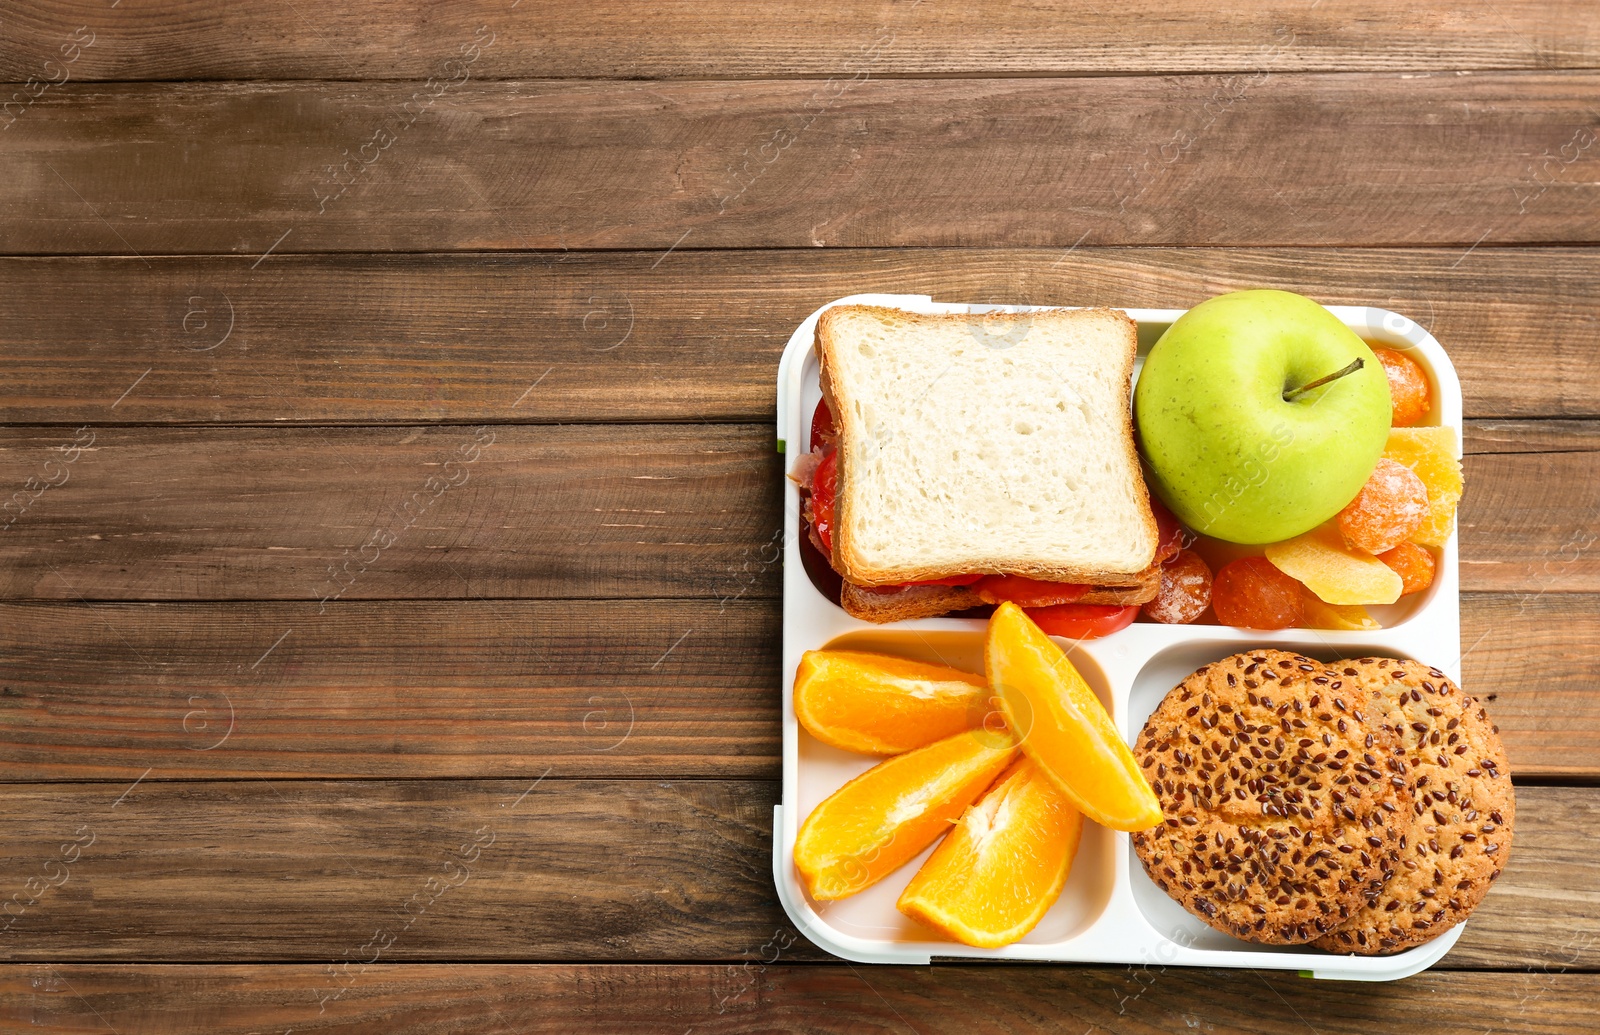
(1532, 436)
(1362, 159)
(306, 870)
(1532, 658)
(1528, 521)
(373, 513)
(387, 39)
(695, 336)
(1544, 910)
(576, 870)
(433, 999)
(545, 511)
(499, 689)
(662, 688)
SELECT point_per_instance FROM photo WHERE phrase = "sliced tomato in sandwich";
(1026, 592)
(824, 490)
(822, 428)
(1083, 621)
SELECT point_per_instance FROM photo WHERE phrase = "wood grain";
(695, 336)
(1552, 435)
(643, 688)
(434, 999)
(371, 513)
(1274, 159)
(388, 39)
(499, 689)
(545, 512)
(577, 870)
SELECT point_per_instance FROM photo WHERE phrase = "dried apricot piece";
(1333, 570)
(1185, 590)
(1219, 554)
(1409, 396)
(877, 704)
(885, 817)
(1388, 509)
(1004, 864)
(1414, 565)
(1346, 617)
(1252, 593)
(1433, 455)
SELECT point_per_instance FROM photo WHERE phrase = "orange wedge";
(883, 818)
(1062, 724)
(881, 705)
(992, 879)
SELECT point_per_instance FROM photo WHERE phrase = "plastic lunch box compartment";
(1110, 911)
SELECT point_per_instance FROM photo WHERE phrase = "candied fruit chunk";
(1252, 593)
(1334, 571)
(1345, 617)
(1432, 454)
(1185, 590)
(1169, 531)
(1409, 398)
(1218, 553)
(1388, 509)
(1414, 565)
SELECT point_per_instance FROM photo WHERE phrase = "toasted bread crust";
(1140, 590)
(903, 605)
(856, 570)
(933, 601)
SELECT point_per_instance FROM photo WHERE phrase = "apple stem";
(1294, 393)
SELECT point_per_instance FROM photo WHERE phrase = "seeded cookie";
(1280, 791)
(1459, 830)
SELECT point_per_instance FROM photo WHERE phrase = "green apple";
(1261, 415)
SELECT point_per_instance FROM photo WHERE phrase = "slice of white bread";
(998, 443)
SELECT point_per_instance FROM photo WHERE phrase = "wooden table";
(389, 638)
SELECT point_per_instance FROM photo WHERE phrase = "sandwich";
(960, 460)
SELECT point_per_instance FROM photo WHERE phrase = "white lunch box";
(1110, 911)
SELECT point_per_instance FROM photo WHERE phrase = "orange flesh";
(876, 704)
(885, 817)
(1003, 866)
(1063, 726)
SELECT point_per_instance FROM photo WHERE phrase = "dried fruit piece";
(1414, 565)
(1185, 590)
(1062, 724)
(1333, 570)
(1218, 554)
(1388, 509)
(1433, 455)
(1346, 617)
(995, 875)
(885, 817)
(876, 704)
(1409, 396)
(1253, 594)
(1169, 532)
